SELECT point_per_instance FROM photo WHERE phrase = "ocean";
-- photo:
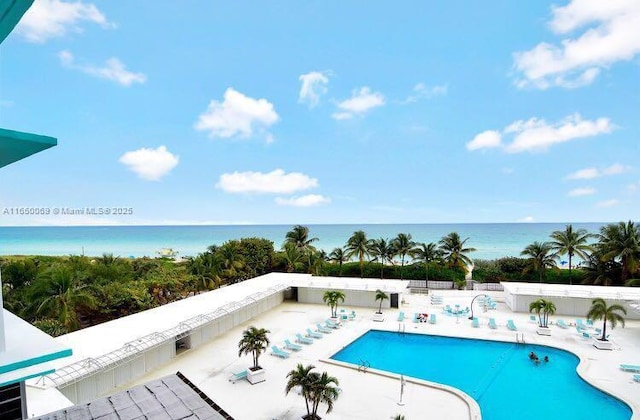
(491, 240)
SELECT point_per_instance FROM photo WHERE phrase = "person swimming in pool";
(532, 356)
(546, 359)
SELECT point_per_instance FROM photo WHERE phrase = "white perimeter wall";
(363, 298)
(574, 306)
(104, 381)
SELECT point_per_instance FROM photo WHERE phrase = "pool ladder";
(363, 366)
(401, 328)
(520, 338)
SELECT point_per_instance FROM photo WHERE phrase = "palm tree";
(331, 298)
(622, 241)
(454, 252)
(543, 308)
(255, 341)
(323, 389)
(402, 244)
(315, 388)
(206, 268)
(572, 243)
(301, 377)
(599, 271)
(540, 258)
(316, 261)
(381, 250)
(358, 245)
(381, 296)
(338, 255)
(293, 256)
(231, 259)
(426, 253)
(600, 310)
(299, 236)
(58, 294)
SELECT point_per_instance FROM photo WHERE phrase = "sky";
(285, 112)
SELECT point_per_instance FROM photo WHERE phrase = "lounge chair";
(630, 368)
(589, 322)
(352, 316)
(332, 324)
(313, 334)
(532, 318)
(585, 335)
(511, 325)
(235, 377)
(432, 319)
(492, 324)
(560, 323)
(401, 316)
(322, 329)
(491, 305)
(279, 352)
(581, 324)
(416, 317)
(304, 340)
(636, 378)
(475, 323)
(290, 346)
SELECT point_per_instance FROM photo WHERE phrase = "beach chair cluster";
(424, 318)
(308, 338)
(456, 311)
(633, 369)
(487, 303)
(560, 323)
(510, 324)
(344, 316)
(582, 328)
(436, 300)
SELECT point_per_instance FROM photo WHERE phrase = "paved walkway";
(370, 396)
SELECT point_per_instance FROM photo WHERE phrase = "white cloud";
(536, 135)
(276, 182)
(607, 203)
(361, 101)
(54, 18)
(611, 34)
(113, 70)
(526, 219)
(484, 140)
(591, 173)
(237, 115)
(579, 192)
(150, 164)
(422, 91)
(314, 85)
(308, 200)
(508, 171)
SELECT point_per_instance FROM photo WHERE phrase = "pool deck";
(369, 395)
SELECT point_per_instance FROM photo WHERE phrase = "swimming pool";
(498, 375)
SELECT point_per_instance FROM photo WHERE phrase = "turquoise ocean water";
(491, 240)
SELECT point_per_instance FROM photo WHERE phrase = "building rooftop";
(574, 291)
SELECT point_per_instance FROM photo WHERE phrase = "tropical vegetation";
(255, 341)
(381, 296)
(314, 387)
(543, 308)
(332, 298)
(601, 311)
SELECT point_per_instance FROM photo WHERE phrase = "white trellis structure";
(89, 378)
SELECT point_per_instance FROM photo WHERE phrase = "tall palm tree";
(381, 296)
(255, 341)
(293, 257)
(600, 310)
(571, 242)
(381, 250)
(426, 253)
(621, 241)
(299, 236)
(58, 294)
(323, 389)
(206, 268)
(454, 252)
(231, 259)
(540, 258)
(543, 308)
(402, 244)
(331, 298)
(600, 271)
(301, 377)
(358, 245)
(338, 255)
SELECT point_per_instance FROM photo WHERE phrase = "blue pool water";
(498, 375)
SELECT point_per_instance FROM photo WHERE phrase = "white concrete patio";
(368, 395)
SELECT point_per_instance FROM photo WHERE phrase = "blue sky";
(288, 112)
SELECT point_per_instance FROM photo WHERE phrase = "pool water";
(498, 375)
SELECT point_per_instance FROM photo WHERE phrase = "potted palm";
(599, 310)
(380, 296)
(255, 341)
(331, 298)
(314, 387)
(543, 308)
